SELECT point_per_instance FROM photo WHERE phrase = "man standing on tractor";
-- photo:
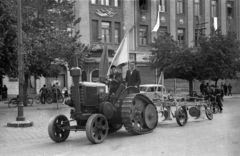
(133, 76)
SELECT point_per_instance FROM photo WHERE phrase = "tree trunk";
(190, 87)
(25, 86)
(216, 80)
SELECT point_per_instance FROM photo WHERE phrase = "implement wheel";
(181, 116)
(209, 114)
(97, 128)
(55, 128)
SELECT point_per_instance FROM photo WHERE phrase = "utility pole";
(20, 120)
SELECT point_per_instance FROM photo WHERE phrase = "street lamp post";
(20, 120)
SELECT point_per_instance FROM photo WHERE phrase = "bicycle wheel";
(30, 101)
(13, 103)
(37, 99)
(49, 99)
(60, 99)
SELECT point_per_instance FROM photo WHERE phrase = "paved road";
(219, 137)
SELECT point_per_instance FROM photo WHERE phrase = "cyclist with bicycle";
(216, 93)
(43, 92)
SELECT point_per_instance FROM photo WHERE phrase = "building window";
(106, 32)
(116, 3)
(162, 30)
(104, 2)
(163, 5)
(95, 30)
(230, 10)
(214, 8)
(181, 36)
(143, 35)
(180, 7)
(117, 33)
(143, 5)
(197, 7)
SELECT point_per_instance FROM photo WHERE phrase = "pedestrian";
(4, 92)
(217, 94)
(225, 89)
(133, 76)
(222, 92)
(43, 92)
(202, 87)
(54, 91)
(230, 89)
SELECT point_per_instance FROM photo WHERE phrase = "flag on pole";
(121, 55)
(215, 23)
(155, 29)
(103, 64)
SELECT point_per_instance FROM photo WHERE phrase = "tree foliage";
(218, 56)
(8, 55)
(47, 35)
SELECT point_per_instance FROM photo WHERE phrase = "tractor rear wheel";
(96, 128)
(56, 129)
(139, 114)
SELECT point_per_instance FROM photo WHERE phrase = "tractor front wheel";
(57, 128)
(97, 128)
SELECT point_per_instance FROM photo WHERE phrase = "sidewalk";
(39, 114)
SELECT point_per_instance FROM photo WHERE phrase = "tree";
(175, 61)
(8, 34)
(218, 56)
(47, 35)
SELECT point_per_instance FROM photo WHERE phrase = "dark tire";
(13, 103)
(209, 114)
(60, 99)
(96, 128)
(54, 128)
(114, 128)
(30, 101)
(37, 99)
(181, 116)
(49, 99)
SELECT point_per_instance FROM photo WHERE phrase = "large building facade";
(109, 20)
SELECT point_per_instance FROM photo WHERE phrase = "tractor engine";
(91, 95)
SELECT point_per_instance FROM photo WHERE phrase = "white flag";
(215, 23)
(155, 29)
(121, 55)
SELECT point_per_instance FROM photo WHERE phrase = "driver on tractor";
(116, 85)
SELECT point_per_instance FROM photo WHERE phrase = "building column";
(223, 16)
(237, 16)
(81, 9)
(190, 23)
(207, 15)
(173, 29)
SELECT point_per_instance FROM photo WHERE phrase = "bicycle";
(37, 99)
(15, 101)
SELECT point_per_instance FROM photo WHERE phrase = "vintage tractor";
(95, 113)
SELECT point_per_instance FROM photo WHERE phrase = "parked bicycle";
(50, 98)
(37, 99)
(15, 101)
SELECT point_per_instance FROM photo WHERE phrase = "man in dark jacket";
(217, 93)
(43, 92)
(133, 76)
(116, 84)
